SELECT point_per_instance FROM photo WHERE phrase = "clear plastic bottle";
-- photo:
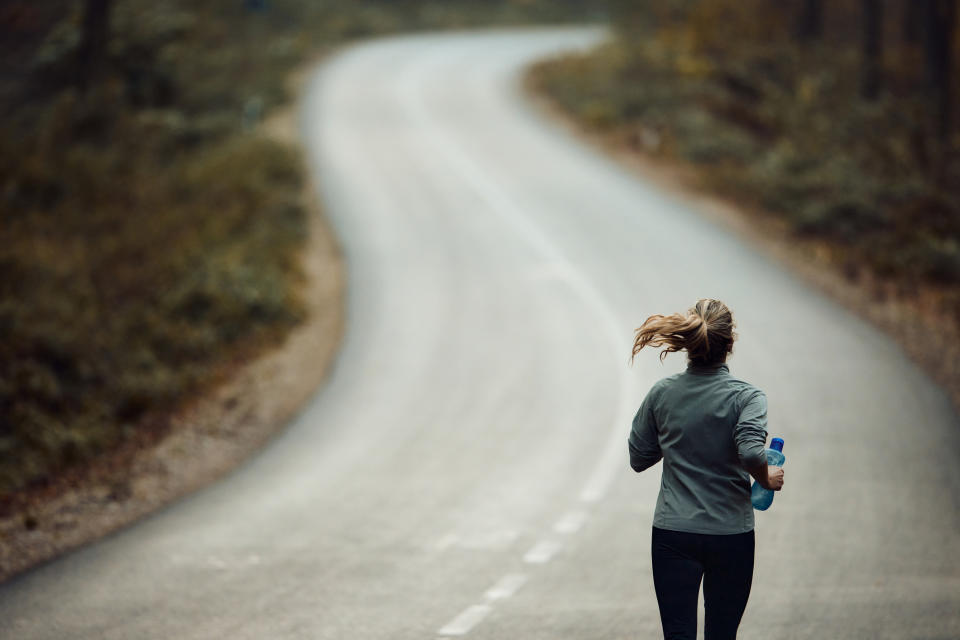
(760, 497)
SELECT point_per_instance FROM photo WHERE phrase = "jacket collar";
(707, 369)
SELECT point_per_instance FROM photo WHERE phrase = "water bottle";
(760, 497)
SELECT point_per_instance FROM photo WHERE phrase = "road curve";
(465, 472)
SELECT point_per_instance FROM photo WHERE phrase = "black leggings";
(724, 562)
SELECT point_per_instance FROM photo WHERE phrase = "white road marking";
(506, 587)
(614, 455)
(571, 522)
(467, 620)
(542, 552)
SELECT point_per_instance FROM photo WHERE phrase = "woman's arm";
(750, 435)
(643, 443)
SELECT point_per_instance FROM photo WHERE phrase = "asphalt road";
(465, 471)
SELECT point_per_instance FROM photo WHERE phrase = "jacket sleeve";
(643, 442)
(750, 432)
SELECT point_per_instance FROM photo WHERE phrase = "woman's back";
(706, 425)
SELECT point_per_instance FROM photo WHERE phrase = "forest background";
(149, 234)
(831, 125)
(127, 122)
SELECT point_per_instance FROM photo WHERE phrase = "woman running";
(710, 430)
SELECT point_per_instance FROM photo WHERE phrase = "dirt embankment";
(204, 440)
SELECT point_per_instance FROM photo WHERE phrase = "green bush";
(116, 312)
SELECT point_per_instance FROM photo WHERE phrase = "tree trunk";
(93, 45)
(872, 62)
(810, 22)
(911, 21)
(947, 27)
(941, 18)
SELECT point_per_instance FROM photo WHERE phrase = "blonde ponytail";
(705, 333)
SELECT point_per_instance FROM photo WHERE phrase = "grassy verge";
(150, 236)
(864, 186)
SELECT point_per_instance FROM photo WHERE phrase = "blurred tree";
(626, 16)
(941, 18)
(810, 22)
(872, 55)
(911, 21)
(721, 27)
(93, 44)
(630, 16)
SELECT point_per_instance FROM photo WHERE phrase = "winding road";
(464, 472)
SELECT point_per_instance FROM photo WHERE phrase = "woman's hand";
(774, 478)
(767, 476)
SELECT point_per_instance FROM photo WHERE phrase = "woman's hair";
(706, 332)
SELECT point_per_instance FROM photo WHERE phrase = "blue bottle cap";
(777, 444)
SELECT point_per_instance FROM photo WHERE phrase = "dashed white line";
(467, 620)
(571, 522)
(507, 586)
(542, 552)
(613, 457)
(599, 481)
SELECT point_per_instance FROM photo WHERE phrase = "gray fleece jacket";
(707, 426)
